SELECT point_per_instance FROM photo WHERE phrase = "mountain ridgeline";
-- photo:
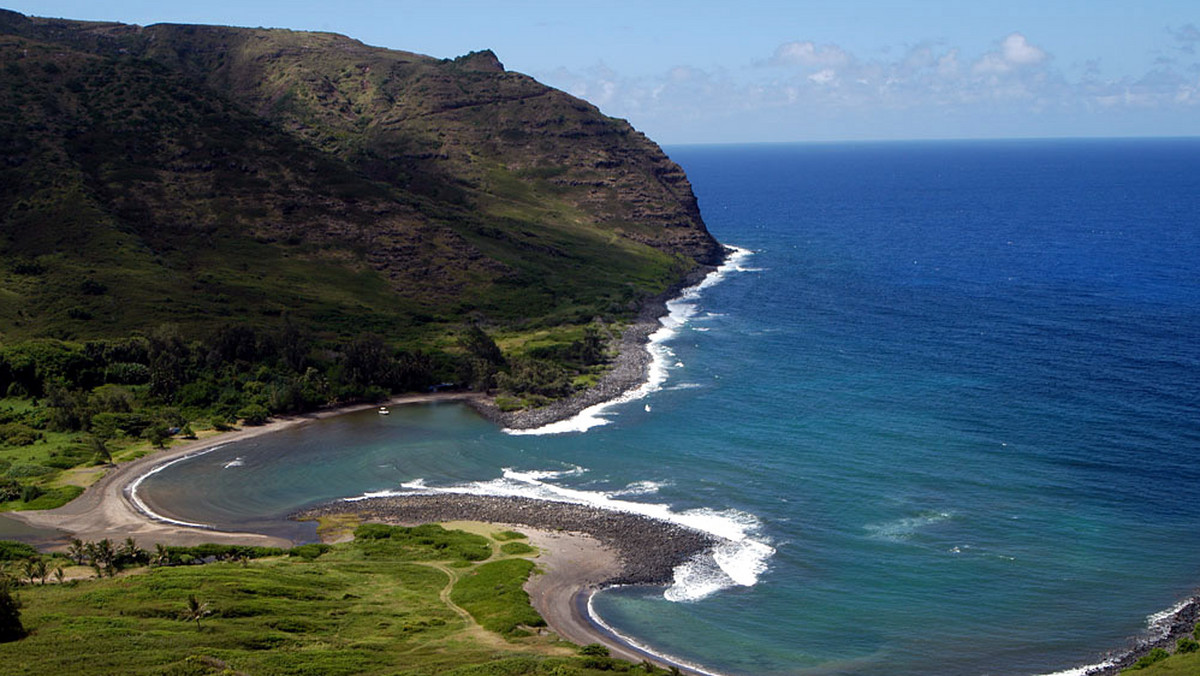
(200, 175)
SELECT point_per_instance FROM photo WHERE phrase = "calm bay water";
(949, 403)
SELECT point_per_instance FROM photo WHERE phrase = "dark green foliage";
(1187, 645)
(309, 551)
(254, 414)
(506, 535)
(10, 489)
(478, 344)
(31, 492)
(1155, 655)
(18, 434)
(178, 555)
(536, 377)
(11, 628)
(425, 542)
(16, 551)
(516, 548)
(594, 650)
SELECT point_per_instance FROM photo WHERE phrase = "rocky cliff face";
(393, 189)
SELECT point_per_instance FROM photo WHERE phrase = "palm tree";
(130, 553)
(104, 557)
(35, 568)
(77, 551)
(196, 610)
(161, 556)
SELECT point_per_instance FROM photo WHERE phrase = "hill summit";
(195, 175)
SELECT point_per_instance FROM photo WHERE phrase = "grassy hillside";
(204, 225)
(193, 174)
(388, 602)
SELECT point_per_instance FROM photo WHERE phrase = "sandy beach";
(582, 549)
(105, 510)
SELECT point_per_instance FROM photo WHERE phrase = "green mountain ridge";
(199, 175)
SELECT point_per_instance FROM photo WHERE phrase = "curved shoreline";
(110, 507)
(629, 549)
(629, 370)
(106, 510)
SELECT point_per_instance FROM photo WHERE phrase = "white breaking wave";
(679, 310)
(236, 462)
(738, 560)
(145, 509)
(1084, 671)
(1158, 627)
(638, 488)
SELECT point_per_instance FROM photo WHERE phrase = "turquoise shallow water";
(954, 389)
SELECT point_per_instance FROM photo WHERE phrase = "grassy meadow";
(395, 600)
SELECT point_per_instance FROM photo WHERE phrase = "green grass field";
(395, 600)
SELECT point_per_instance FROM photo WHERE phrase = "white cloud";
(1015, 80)
(1018, 51)
(823, 77)
(809, 55)
(1015, 52)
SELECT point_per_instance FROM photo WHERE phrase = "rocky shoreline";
(1169, 630)
(649, 550)
(629, 369)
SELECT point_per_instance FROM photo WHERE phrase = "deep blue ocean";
(947, 404)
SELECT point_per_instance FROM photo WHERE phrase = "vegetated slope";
(192, 174)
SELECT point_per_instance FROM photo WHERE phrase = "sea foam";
(680, 310)
(739, 560)
(141, 506)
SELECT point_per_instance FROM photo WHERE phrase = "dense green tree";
(169, 356)
(11, 628)
(367, 361)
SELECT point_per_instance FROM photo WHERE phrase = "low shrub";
(1155, 655)
(516, 548)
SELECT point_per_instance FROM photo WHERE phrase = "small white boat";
(383, 410)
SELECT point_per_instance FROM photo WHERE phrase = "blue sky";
(753, 71)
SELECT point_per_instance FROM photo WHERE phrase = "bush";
(310, 551)
(1187, 645)
(10, 489)
(16, 551)
(11, 628)
(254, 414)
(1156, 655)
(373, 531)
(516, 548)
(594, 650)
(28, 469)
(16, 434)
(30, 493)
